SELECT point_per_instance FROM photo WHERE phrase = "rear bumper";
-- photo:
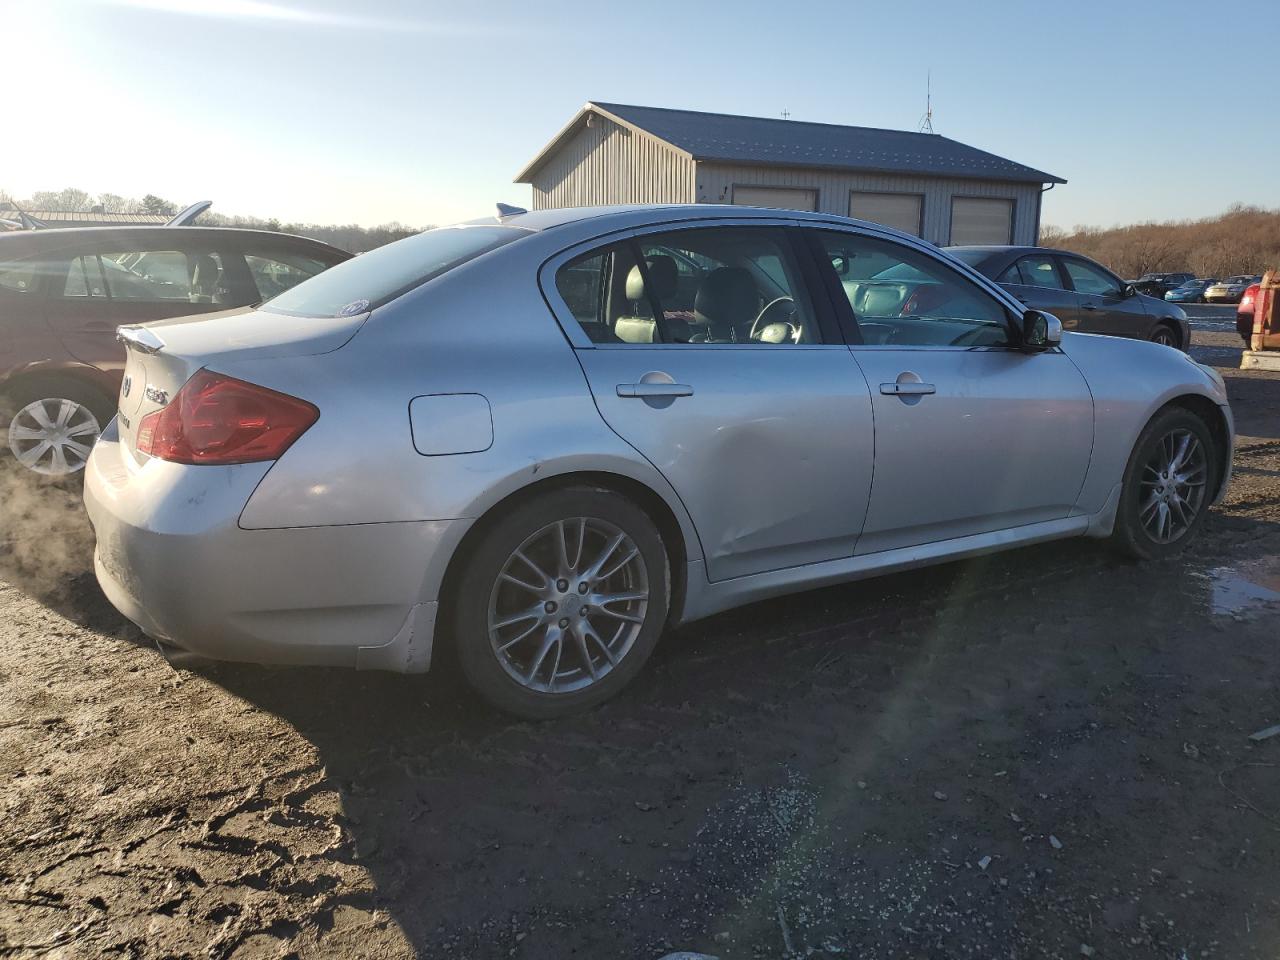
(171, 557)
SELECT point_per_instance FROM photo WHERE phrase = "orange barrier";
(1266, 316)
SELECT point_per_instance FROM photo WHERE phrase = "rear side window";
(382, 275)
(276, 271)
(23, 276)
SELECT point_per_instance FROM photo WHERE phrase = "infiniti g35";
(545, 437)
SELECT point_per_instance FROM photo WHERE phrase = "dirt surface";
(1044, 753)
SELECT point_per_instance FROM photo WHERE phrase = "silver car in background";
(545, 437)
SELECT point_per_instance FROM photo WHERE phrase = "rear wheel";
(55, 424)
(1166, 335)
(561, 602)
(1167, 486)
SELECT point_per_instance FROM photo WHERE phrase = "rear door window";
(150, 275)
(1039, 272)
(722, 286)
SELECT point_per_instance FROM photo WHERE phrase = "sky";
(335, 111)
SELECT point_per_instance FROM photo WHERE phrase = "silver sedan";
(543, 438)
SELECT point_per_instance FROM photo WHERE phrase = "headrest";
(204, 268)
(662, 274)
(727, 295)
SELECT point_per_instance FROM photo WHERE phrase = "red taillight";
(1247, 298)
(216, 419)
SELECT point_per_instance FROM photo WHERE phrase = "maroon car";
(64, 292)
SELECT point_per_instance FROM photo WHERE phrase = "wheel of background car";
(1166, 335)
(55, 425)
(766, 316)
(561, 602)
(1167, 487)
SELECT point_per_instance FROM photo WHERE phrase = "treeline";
(1242, 240)
(348, 236)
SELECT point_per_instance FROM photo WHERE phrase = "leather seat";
(663, 275)
(726, 304)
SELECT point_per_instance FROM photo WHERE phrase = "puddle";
(1244, 587)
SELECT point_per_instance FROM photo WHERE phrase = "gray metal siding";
(607, 163)
(715, 183)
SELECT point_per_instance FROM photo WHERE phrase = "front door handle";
(649, 390)
(1088, 306)
(907, 388)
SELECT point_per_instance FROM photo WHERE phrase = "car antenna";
(507, 210)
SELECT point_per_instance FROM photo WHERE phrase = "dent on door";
(770, 449)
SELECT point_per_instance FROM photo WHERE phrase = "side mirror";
(1128, 290)
(1040, 331)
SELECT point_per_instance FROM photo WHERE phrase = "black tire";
(24, 393)
(476, 654)
(1130, 537)
(1167, 334)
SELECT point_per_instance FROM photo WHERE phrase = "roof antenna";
(786, 114)
(926, 122)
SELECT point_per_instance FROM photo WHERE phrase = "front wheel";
(1167, 486)
(1166, 335)
(562, 602)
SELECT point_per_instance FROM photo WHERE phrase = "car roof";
(622, 216)
(51, 239)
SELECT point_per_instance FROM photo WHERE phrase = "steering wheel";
(764, 318)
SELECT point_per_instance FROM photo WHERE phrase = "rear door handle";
(1088, 306)
(645, 390)
(907, 389)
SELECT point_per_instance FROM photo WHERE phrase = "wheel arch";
(658, 509)
(1219, 429)
(1172, 324)
(32, 376)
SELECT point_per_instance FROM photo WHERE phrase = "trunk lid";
(162, 356)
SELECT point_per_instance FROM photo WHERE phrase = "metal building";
(934, 187)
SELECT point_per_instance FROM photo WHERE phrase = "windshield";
(380, 276)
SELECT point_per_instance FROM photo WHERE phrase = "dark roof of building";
(758, 140)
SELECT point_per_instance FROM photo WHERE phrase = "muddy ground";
(1040, 754)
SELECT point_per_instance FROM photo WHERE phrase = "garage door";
(783, 198)
(981, 220)
(898, 210)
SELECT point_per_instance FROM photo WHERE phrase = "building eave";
(572, 127)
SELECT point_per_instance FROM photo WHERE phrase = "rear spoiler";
(188, 215)
(140, 338)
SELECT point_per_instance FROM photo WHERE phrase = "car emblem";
(126, 386)
(156, 395)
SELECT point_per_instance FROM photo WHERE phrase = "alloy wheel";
(1164, 336)
(1172, 487)
(53, 436)
(568, 605)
